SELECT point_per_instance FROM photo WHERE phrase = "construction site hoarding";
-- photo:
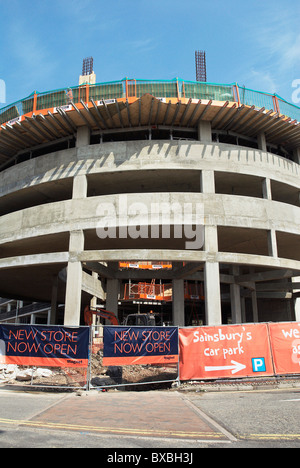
(140, 345)
(38, 345)
(225, 351)
(285, 344)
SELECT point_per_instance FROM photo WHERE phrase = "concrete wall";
(36, 235)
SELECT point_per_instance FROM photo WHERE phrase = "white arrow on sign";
(235, 367)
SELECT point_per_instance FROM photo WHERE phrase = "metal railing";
(133, 88)
(26, 310)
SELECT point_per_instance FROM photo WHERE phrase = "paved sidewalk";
(155, 419)
(147, 414)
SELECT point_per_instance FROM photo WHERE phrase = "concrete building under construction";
(174, 196)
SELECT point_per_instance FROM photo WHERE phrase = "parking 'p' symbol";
(258, 364)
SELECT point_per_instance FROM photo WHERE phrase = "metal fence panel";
(45, 356)
(136, 376)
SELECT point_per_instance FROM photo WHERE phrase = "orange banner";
(285, 343)
(228, 351)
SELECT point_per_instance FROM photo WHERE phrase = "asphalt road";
(157, 420)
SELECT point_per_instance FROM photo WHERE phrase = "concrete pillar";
(83, 137)
(266, 189)
(178, 302)
(235, 298)
(297, 155)
(79, 186)
(272, 243)
(204, 131)
(112, 290)
(297, 309)
(211, 269)
(93, 305)
(74, 280)
(254, 306)
(212, 293)
(207, 181)
(112, 296)
(296, 279)
(53, 315)
(261, 141)
(243, 307)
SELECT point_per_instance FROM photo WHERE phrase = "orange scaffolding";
(146, 265)
(148, 291)
(161, 292)
(193, 291)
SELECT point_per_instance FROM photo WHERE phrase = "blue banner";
(140, 345)
(42, 345)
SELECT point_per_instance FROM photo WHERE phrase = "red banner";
(225, 351)
(285, 342)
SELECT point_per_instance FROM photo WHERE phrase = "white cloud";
(263, 81)
(142, 45)
(276, 41)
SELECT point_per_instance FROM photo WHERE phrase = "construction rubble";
(12, 372)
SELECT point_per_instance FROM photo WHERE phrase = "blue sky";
(43, 42)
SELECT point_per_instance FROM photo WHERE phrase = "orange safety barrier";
(285, 344)
(225, 351)
(233, 351)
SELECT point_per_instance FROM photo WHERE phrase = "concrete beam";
(35, 259)
(187, 270)
(268, 295)
(264, 276)
(102, 270)
(92, 286)
(190, 256)
(278, 286)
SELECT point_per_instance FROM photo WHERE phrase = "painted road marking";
(269, 436)
(177, 434)
(292, 399)
(148, 432)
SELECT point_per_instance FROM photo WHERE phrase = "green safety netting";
(126, 88)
